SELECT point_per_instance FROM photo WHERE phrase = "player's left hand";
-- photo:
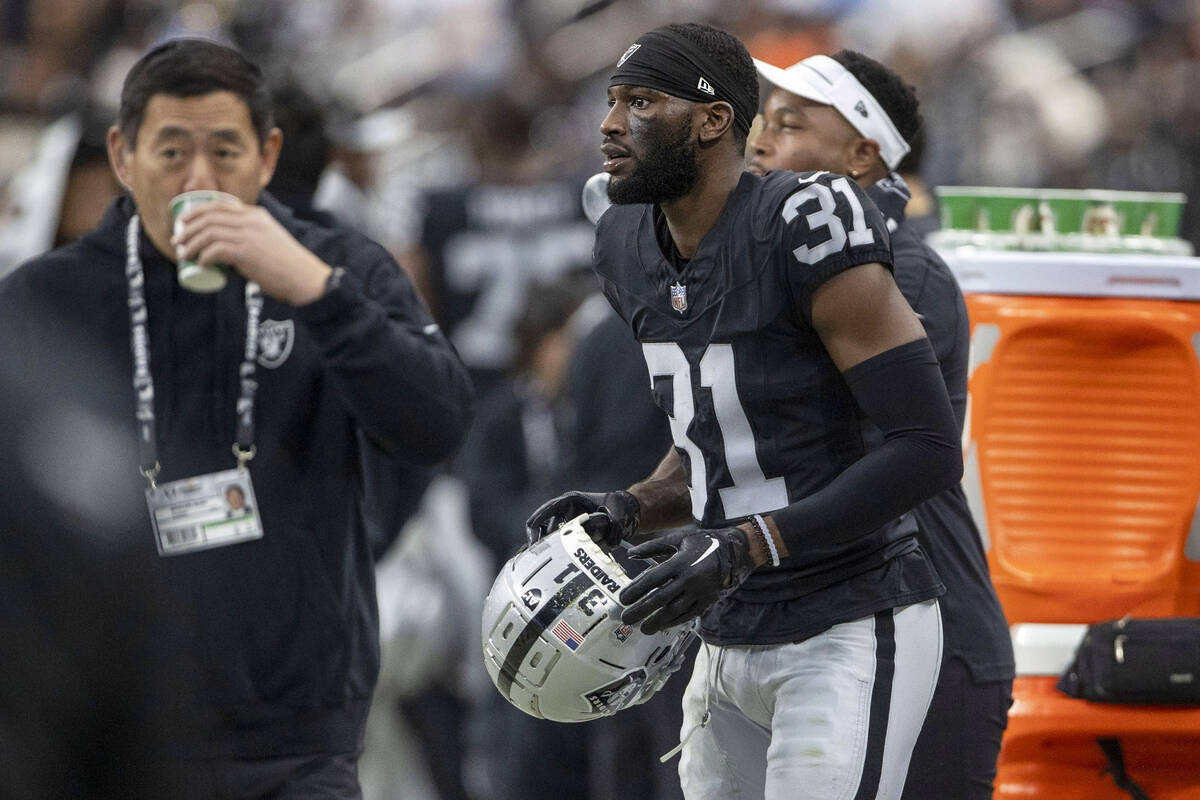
(252, 241)
(703, 564)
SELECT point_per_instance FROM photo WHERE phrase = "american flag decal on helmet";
(569, 636)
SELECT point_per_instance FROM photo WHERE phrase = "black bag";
(1154, 661)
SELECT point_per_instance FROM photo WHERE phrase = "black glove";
(705, 565)
(620, 521)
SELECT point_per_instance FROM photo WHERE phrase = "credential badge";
(632, 49)
(275, 340)
(679, 297)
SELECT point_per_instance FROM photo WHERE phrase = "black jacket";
(279, 635)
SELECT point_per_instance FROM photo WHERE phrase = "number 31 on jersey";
(752, 492)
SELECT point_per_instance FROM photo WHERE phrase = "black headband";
(668, 62)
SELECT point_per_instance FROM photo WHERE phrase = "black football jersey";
(759, 413)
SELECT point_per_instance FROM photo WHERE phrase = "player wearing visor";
(848, 113)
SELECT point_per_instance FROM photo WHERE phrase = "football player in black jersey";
(808, 416)
(808, 124)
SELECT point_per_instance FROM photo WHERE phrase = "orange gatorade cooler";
(1083, 431)
(1082, 468)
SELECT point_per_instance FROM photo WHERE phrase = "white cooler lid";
(1066, 274)
(1044, 648)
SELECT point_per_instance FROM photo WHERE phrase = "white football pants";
(834, 717)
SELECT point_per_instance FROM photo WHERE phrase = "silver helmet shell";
(553, 641)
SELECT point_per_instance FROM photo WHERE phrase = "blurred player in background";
(843, 114)
(514, 457)
(775, 338)
(484, 243)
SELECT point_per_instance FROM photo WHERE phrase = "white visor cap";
(823, 80)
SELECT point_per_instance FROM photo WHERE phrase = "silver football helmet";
(553, 640)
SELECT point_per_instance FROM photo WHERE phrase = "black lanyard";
(143, 380)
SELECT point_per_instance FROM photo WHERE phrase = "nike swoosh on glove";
(620, 521)
(702, 566)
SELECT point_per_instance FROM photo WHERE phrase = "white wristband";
(761, 524)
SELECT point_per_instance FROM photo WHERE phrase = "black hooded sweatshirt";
(276, 638)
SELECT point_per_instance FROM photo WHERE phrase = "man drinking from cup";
(273, 609)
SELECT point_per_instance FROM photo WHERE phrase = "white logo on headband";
(705, 87)
(861, 108)
(632, 49)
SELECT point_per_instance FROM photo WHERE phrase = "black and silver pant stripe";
(881, 702)
(533, 629)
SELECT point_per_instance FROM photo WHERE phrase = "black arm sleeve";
(902, 392)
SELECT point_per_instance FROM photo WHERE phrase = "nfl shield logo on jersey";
(679, 297)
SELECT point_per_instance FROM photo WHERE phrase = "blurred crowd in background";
(418, 94)
(458, 133)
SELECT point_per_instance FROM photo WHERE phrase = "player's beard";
(667, 171)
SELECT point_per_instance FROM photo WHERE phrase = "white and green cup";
(193, 276)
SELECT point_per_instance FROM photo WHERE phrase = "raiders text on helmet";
(553, 640)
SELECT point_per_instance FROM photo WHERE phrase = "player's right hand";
(620, 521)
(696, 567)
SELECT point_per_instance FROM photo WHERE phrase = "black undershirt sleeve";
(902, 392)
